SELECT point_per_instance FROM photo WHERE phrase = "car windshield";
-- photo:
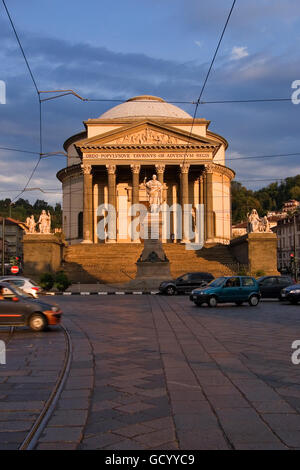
(216, 282)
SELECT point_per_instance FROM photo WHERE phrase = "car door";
(196, 281)
(183, 283)
(231, 290)
(248, 287)
(268, 287)
(12, 312)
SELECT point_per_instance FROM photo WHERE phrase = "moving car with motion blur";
(271, 286)
(24, 283)
(185, 283)
(237, 289)
(291, 293)
(19, 309)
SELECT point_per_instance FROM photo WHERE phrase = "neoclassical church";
(109, 161)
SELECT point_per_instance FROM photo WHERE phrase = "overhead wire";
(208, 72)
(39, 99)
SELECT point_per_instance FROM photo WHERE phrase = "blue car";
(291, 293)
(237, 289)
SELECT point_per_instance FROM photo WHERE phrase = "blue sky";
(118, 49)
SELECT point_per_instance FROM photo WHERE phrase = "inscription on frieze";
(144, 156)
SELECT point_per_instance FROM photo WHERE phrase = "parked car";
(24, 283)
(185, 283)
(271, 286)
(225, 289)
(19, 309)
(291, 293)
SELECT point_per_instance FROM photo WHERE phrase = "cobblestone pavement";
(33, 362)
(153, 372)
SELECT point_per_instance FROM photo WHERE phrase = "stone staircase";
(115, 263)
(215, 259)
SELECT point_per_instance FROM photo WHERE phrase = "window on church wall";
(80, 225)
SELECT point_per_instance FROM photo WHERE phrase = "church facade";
(109, 162)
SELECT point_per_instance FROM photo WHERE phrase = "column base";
(136, 241)
(86, 241)
(111, 241)
(184, 241)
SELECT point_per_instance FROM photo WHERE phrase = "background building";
(288, 239)
(13, 236)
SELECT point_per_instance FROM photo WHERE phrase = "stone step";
(115, 263)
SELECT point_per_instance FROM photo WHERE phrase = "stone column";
(135, 183)
(112, 223)
(184, 200)
(135, 194)
(87, 204)
(209, 214)
(160, 169)
(201, 193)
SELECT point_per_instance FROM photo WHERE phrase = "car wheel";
(198, 304)
(294, 302)
(212, 301)
(239, 303)
(253, 301)
(170, 290)
(37, 322)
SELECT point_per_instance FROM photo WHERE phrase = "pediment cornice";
(147, 135)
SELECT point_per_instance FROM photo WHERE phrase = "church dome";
(145, 106)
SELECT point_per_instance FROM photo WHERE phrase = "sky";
(119, 49)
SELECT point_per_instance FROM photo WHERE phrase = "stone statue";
(253, 221)
(31, 224)
(45, 222)
(265, 225)
(255, 224)
(154, 193)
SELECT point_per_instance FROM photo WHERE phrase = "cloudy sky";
(121, 48)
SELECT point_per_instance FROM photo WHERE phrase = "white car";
(24, 283)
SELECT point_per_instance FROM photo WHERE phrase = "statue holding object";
(257, 224)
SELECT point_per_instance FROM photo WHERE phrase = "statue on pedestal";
(45, 222)
(257, 225)
(154, 193)
(31, 224)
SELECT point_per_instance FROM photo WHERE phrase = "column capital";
(87, 169)
(209, 168)
(160, 167)
(184, 167)
(111, 169)
(135, 168)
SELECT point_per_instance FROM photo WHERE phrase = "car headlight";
(296, 291)
(54, 309)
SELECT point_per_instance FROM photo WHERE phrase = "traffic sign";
(14, 269)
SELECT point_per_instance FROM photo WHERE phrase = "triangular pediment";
(146, 133)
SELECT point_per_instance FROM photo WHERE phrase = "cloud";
(199, 43)
(238, 53)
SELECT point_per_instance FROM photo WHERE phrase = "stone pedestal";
(42, 253)
(153, 265)
(258, 251)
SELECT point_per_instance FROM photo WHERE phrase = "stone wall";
(42, 253)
